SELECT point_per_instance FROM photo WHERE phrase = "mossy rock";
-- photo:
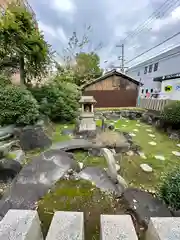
(82, 196)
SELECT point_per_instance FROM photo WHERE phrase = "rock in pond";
(143, 205)
(35, 179)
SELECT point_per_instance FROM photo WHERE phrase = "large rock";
(143, 205)
(33, 137)
(9, 169)
(35, 179)
(112, 172)
(6, 131)
(100, 178)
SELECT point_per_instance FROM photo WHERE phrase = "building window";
(145, 70)
(146, 90)
(150, 68)
(151, 90)
(156, 66)
(142, 91)
(138, 73)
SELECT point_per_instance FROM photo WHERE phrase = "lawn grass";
(130, 166)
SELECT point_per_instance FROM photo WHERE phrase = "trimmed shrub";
(59, 101)
(17, 106)
(169, 191)
(171, 114)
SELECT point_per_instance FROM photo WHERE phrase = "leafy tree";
(87, 67)
(22, 45)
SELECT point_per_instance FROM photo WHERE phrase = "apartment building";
(159, 74)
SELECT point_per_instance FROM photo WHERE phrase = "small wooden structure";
(113, 89)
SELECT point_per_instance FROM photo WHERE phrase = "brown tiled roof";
(109, 74)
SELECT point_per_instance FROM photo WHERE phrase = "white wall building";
(160, 73)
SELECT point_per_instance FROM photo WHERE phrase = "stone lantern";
(87, 120)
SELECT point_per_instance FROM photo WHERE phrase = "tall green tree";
(22, 45)
(86, 68)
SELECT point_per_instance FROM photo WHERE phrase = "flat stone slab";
(143, 205)
(66, 226)
(163, 229)
(146, 168)
(20, 225)
(35, 179)
(117, 227)
(72, 145)
(100, 178)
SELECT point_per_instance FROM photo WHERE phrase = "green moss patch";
(79, 196)
(82, 156)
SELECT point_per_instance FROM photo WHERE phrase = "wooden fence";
(153, 104)
(113, 98)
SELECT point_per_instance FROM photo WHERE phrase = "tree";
(87, 68)
(22, 45)
(80, 60)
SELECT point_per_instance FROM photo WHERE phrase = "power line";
(159, 44)
(163, 8)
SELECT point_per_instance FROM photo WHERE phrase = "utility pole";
(121, 57)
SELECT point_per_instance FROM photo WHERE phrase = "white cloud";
(171, 19)
(56, 33)
(64, 5)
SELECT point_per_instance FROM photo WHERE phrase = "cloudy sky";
(112, 21)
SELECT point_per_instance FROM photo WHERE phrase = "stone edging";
(68, 225)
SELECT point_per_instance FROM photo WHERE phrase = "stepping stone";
(152, 143)
(127, 121)
(159, 157)
(148, 130)
(138, 125)
(178, 145)
(132, 134)
(130, 153)
(65, 126)
(124, 125)
(81, 165)
(135, 130)
(146, 168)
(176, 153)
(142, 155)
(151, 135)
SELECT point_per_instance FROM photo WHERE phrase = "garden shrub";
(169, 190)
(59, 101)
(171, 114)
(17, 106)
